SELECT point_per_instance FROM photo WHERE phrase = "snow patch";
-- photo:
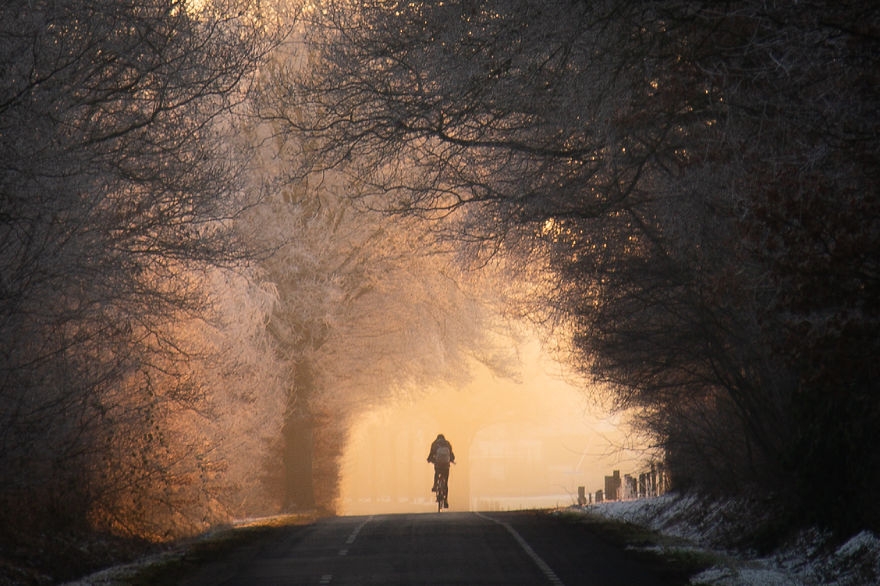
(809, 560)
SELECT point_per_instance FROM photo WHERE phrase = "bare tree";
(689, 171)
(367, 309)
(116, 193)
(369, 305)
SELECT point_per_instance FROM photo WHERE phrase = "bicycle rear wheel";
(442, 493)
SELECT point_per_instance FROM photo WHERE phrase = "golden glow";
(193, 7)
(517, 445)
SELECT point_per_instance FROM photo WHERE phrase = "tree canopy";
(117, 195)
(192, 290)
(701, 179)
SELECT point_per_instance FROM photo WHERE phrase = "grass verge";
(213, 554)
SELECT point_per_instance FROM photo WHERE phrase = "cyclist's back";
(441, 455)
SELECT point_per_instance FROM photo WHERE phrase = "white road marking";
(357, 530)
(542, 565)
(326, 578)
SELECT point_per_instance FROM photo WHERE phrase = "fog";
(521, 444)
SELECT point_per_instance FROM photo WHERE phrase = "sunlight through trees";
(229, 226)
(701, 181)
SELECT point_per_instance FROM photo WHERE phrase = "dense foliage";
(185, 328)
(192, 304)
(116, 199)
(701, 179)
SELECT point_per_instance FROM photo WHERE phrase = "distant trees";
(701, 180)
(365, 312)
(117, 194)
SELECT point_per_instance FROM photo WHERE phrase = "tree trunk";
(299, 444)
(299, 489)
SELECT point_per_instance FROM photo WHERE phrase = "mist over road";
(447, 548)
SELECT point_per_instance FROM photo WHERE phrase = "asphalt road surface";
(441, 548)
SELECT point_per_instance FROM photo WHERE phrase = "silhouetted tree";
(117, 193)
(367, 309)
(700, 179)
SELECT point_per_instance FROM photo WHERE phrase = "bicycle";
(442, 493)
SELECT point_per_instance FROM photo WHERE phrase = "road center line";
(357, 530)
(542, 565)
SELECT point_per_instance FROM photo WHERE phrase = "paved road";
(448, 548)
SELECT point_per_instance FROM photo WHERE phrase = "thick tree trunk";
(299, 487)
(299, 443)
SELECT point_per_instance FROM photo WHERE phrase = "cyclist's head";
(440, 436)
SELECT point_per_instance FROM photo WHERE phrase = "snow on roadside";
(807, 561)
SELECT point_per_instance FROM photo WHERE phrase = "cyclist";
(441, 455)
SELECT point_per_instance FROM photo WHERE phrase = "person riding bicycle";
(441, 455)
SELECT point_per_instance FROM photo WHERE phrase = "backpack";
(442, 455)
